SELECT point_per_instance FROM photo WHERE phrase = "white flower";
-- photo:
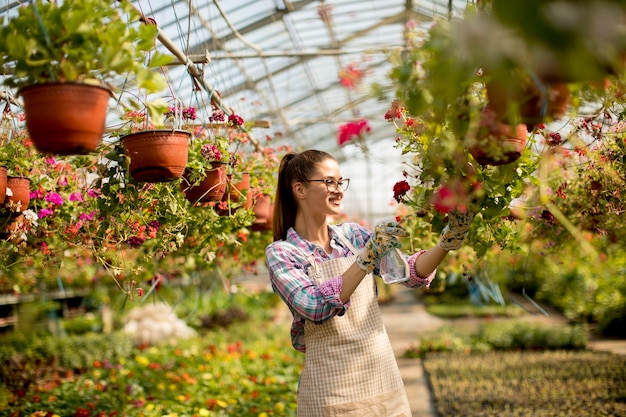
(9, 192)
(31, 217)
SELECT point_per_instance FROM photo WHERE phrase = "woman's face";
(320, 193)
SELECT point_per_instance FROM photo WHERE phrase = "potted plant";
(157, 153)
(204, 179)
(17, 157)
(63, 58)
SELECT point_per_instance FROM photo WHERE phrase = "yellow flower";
(203, 412)
(142, 360)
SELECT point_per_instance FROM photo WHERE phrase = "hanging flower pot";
(263, 211)
(3, 183)
(497, 143)
(65, 118)
(13, 229)
(18, 199)
(156, 155)
(535, 103)
(237, 193)
(211, 188)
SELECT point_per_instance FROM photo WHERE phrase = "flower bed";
(219, 374)
(530, 383)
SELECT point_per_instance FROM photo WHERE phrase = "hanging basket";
(19, 199)
(3, 183)
(263, 212)
(497, 143)
(211, 188)
(536, 104)
(157, 155)
(65, 118)
(237, 195)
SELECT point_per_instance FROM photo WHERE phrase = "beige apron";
(350, 368)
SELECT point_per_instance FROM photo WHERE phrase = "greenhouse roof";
(279, 61)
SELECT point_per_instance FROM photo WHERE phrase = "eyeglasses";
(333, 185)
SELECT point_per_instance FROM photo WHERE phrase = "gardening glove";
(453, 235)
(383, 240)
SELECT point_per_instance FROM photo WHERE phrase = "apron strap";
(347, 243)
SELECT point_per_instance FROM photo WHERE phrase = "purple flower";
(77, 196)
(134, 242)
(44, 213)
(54, 198)
(63, 181)
(155, 224)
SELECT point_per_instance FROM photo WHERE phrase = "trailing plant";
(89, 41)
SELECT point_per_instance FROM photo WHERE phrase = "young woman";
(324, 273)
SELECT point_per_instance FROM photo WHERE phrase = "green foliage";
(82, 324)
(512, 334)
(78, 41)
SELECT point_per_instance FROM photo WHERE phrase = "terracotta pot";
(3, 183)
(263, 211)
(157, 155)
(20, 198)
(11, 230)
(535, 106)
(65, 118)
(211, 188)
(497, 143)
(235, 192)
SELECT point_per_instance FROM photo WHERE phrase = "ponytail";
(294, 167)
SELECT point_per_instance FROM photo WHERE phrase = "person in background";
(324, 273)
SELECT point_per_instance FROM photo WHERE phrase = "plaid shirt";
(288, 261)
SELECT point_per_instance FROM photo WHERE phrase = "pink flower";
(211, 152)
(93, 193)
(77, 196)
(351, 131)
(444, 200)
(45, 212)
(235, 120)
(54, 198)
(35, 194)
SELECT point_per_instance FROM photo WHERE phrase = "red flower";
(352, 131)
(400, 189)
(444, 200)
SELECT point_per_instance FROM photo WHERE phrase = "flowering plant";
(17, 152)
(441, 96)
(52, 234)
(354, 132)
(351, 76)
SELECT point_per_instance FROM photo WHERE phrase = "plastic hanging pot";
(65, 118)
(156, 155)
